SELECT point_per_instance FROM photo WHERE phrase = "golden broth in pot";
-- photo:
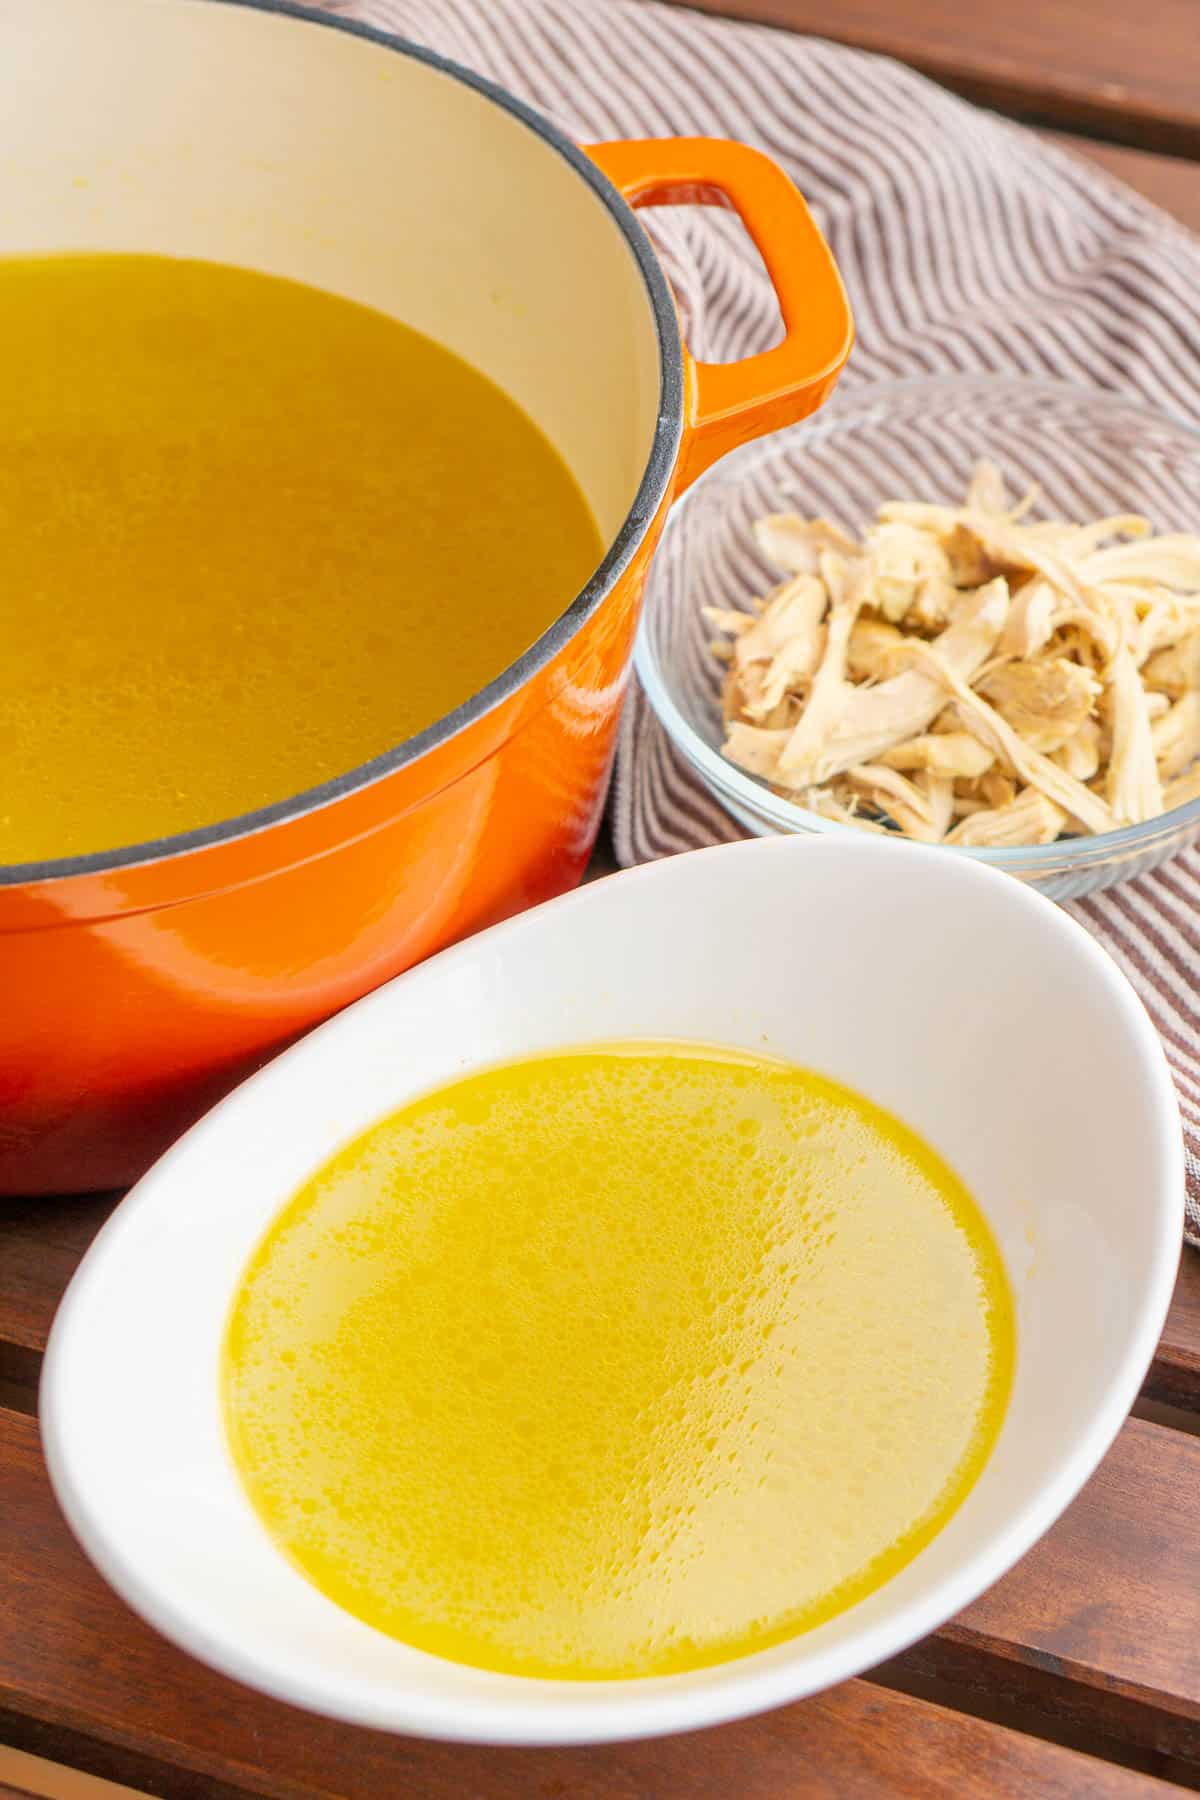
(253, 535)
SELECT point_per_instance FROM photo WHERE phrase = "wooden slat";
(1128, 72)
(41, 1241)
(28, 1774)
(84, 1679)
(1175, 1376)
(1100, 1624)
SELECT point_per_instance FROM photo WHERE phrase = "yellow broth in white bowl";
(1030, 1072)
(618, 1361)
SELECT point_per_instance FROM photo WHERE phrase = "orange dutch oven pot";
(136, 986)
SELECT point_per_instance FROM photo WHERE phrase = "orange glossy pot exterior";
(127, 1012)
(133, 996)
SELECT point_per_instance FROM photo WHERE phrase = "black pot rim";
(651, 490)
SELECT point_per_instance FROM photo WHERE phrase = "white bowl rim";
(596, 1712)
(724, 778)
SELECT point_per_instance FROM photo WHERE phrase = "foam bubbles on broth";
(620, 1361)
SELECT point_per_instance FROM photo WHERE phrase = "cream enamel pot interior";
(139, 984)
(974, 1009)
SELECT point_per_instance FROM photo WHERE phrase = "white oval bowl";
(957, 998)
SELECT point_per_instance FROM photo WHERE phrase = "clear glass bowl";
(1091, 453)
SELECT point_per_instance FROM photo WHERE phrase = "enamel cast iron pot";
(137, 985)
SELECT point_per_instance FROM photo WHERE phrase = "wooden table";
(1078, 1675)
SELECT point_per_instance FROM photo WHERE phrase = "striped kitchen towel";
(966, 244)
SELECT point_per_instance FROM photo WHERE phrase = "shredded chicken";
(790, 619)
(1183, 789)
(1170, 562)
(829, 806)
(939, 791)
(1029, 819)
(952, 753)
(1167, 671)
(827, 696)
(797, 545)
(755, 748)
(1175, 734)
(1031, 620)
(897, 796)
(1045, 700)
(875, 719)
(872, 643)
(1038, 770)
(911, 576)
(1134, 787)
(967, 676)
(1080, 755)
(986, 492)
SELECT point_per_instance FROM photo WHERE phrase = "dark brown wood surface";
(1100, 1623)
(40, 1246)
(43, 1242)
(81, 1677)
(1175, 1376)
(1124, 71)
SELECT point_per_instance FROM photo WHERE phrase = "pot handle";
(726, 404)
